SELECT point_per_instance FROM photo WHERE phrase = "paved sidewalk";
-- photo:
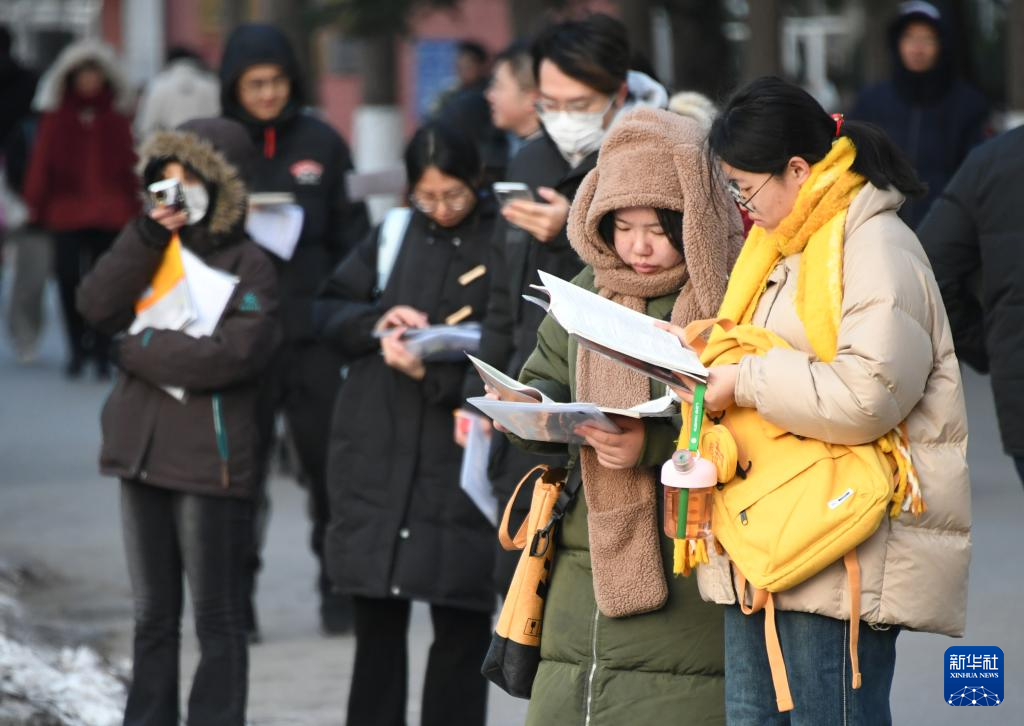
(57, 514)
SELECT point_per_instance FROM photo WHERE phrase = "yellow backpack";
(788, 506)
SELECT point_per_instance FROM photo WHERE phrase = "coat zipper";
(222, 441)
(593, 668)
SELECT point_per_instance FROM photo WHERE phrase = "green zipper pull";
(222, 442)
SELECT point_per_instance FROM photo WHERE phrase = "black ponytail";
(770, 121)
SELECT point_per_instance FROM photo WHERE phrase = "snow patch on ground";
(45, 686)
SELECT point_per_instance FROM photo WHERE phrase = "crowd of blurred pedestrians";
(628, 195)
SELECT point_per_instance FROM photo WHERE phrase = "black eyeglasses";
(738, 198)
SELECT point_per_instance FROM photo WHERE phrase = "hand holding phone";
(543, 219)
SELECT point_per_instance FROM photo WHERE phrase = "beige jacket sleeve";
(884, 352)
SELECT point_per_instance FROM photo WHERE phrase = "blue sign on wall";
(435, 73)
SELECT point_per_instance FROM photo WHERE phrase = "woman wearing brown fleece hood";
(625, 641)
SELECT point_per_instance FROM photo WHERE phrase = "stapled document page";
(443, 343)
(276, 227)
(626, 336)
(473, 477)
(509, 389)
(211, 290)
(552, 422)
(167, 303)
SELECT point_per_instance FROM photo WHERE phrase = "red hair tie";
(838, 118)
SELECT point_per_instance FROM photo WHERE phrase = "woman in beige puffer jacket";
(889, 360)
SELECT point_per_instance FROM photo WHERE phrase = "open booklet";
(441, 343)
(207, 290)
(624, 335)
(529, 414)
(167, 303)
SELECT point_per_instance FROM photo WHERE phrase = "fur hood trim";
(52, 86)
(229, 198)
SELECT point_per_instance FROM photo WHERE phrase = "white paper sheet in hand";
(211, 290)
(276, 227)
(473, 477)
(617, 328)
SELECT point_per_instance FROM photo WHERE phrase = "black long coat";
(401, 526)
(975, 242)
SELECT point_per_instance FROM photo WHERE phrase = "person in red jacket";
(80, 183)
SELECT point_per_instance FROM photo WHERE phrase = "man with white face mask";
(584, 81)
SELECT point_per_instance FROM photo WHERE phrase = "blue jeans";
(168, 535)
(816, 651)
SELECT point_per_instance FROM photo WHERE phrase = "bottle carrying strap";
(696, 421)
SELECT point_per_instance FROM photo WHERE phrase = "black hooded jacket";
(934, 117)
(302, 155)
(975, 241)
(208, 443)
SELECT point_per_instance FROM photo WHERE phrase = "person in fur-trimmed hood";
(624, 641)
(79, 184)
(187, 467)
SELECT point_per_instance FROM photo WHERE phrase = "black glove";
(153, 234)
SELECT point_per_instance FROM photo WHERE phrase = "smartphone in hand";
(507, 192)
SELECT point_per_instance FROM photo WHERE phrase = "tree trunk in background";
(1015, 56)
(528, 16)
(233, 12)
(763, 56)
(378, 123)
(700, 51)
(378, 70)
(877, 56)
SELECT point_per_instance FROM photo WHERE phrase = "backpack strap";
(853, 578)
(693, 333)
(389, 242)
(764, 600)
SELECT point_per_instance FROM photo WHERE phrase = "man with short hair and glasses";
(584, 81)
(262, 87)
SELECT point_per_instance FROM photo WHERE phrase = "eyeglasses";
(579, 105)
(257, 85)
(456, 200)
(734, 191)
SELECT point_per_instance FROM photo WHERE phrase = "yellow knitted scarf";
(815, 227)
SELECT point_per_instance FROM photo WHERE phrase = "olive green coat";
(665, 667)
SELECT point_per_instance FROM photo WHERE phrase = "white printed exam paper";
(626, 336)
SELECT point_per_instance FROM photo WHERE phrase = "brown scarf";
(624, 531)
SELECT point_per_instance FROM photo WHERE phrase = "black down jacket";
(301, 155)
(934, 117)
(975, 241)
(401, 526)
